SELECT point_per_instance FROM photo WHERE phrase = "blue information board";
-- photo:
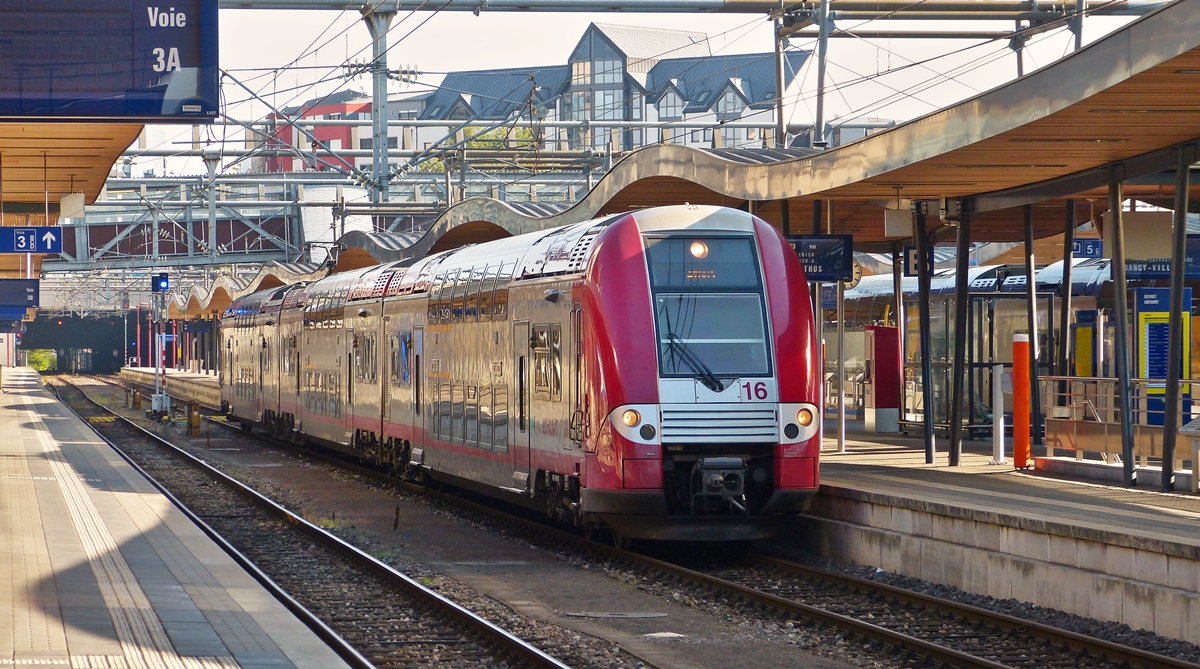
(1152, 314)
(40, 239)
(1087, 248)
(1160, 268)
(109, 59)
(825, 257)
(912, 261)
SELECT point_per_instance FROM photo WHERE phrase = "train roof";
(1088, 276)
(532, 255)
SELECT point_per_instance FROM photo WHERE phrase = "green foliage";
(498, 138)
(42, 359)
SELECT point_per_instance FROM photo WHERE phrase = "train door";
(262, 375)
(385, 375)
(521, 442)
(351, 371)
(348, 412)
(418, 345)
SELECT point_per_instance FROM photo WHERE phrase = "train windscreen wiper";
(686, 354)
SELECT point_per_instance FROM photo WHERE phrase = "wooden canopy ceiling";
(59, 158)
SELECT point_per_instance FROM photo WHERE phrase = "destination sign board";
(825, 257)
(1160, 268)
(39, 239)
(22, 293)
(109, 59)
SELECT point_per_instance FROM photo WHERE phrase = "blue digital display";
(109, 60)
(825, 257)
(19, 294)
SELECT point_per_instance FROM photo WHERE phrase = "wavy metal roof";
(1117, 107)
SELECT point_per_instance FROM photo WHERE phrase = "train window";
(500, 419)
(447, 295)
(323, 310)
(308, 384)
(335, 394)
(319, 393)
(435, 295)
(708, 263)
(434, 410)
(457, 304)
(339, 306)
(446, 304)
(471, 434)
(471, 307)
(556, 362)
(485, 291)
(444, 428)
(500, 298)
(485, 417)
(456, 418)
(364, 363)
(401, 355)
(540, 343)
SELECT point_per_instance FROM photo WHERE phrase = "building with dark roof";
(620, 76)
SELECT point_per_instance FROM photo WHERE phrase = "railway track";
(912, 627)
(372, 615)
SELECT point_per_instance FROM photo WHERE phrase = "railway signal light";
(159, 283)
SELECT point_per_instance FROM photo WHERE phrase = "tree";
(42, 359)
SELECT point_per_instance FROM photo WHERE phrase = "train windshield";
(708, 303)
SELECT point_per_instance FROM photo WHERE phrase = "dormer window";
(730, 103)
(670, 106)
(581, 72)
(607, 72)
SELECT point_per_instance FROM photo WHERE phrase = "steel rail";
(491, 632)
(1135, 657)
(335, 641)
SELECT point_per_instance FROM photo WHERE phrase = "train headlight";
(631, 417)
(804, 417)
(699, 249)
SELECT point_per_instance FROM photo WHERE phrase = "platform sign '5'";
(754, 391)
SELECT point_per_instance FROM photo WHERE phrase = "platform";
(1112, 553)
(183, 386)
(98, 569)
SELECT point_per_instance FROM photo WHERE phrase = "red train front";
(652, 372)
(702, 388)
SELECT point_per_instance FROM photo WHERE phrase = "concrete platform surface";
(175, 374)
(98, 569)
(1124, 555)
(895, 465)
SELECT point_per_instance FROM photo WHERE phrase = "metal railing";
(1083, 414)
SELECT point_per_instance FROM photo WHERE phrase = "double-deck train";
(652, 373)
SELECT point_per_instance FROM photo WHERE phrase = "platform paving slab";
(98, 569)
(1125, 555)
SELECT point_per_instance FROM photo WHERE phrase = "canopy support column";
(1031, 313)
(924, 281)
(1064, 343)
(1121, 325)
(1175, 328)
(898, 313)
(962, 309)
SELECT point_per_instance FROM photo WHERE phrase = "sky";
(288, 57)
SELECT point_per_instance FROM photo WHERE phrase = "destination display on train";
(108, 59)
